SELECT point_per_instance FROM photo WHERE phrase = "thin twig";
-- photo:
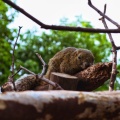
(102, 14)
(13, 56)
(44, 65)
(63, 28)
(114, 55)
(25, 69)
(10, 78)
(57, 86)
(16, 72)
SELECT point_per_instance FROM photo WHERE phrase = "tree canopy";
(6, 38)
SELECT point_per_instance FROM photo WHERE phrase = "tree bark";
(67, 82)
(94, 76)
(86, 80)
(60, 105)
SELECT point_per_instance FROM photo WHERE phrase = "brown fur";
(70, 60)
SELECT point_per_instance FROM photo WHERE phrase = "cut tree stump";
(67, 82)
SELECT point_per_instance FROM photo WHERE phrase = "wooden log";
(67, 82)
(94, 76)
(88, 80)
(60, 105)
(25, 82)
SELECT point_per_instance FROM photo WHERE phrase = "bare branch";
(27, 70)
(44, 65)
(55, 85)
(10, 78)
(117, 47)
(102, 14)
(63, 28)
(16, 72)
(13, 57)
(114, 55)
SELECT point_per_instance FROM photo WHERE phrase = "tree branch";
(44, 65)
(63, 28)
(13, 56)
(114, 55)
(11, 78)
(102, 14)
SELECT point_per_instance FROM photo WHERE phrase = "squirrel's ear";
(76, 52)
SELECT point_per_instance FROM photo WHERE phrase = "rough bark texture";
(94, 76)
(26, 82)
(67, 82)
(88, 80)
(60, 105)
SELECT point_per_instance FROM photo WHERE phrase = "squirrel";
(70, 60)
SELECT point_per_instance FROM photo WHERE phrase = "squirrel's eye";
(79, 57)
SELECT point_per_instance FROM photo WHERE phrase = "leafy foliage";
(6, 39)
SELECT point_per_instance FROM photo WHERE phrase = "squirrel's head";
(83, 58)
